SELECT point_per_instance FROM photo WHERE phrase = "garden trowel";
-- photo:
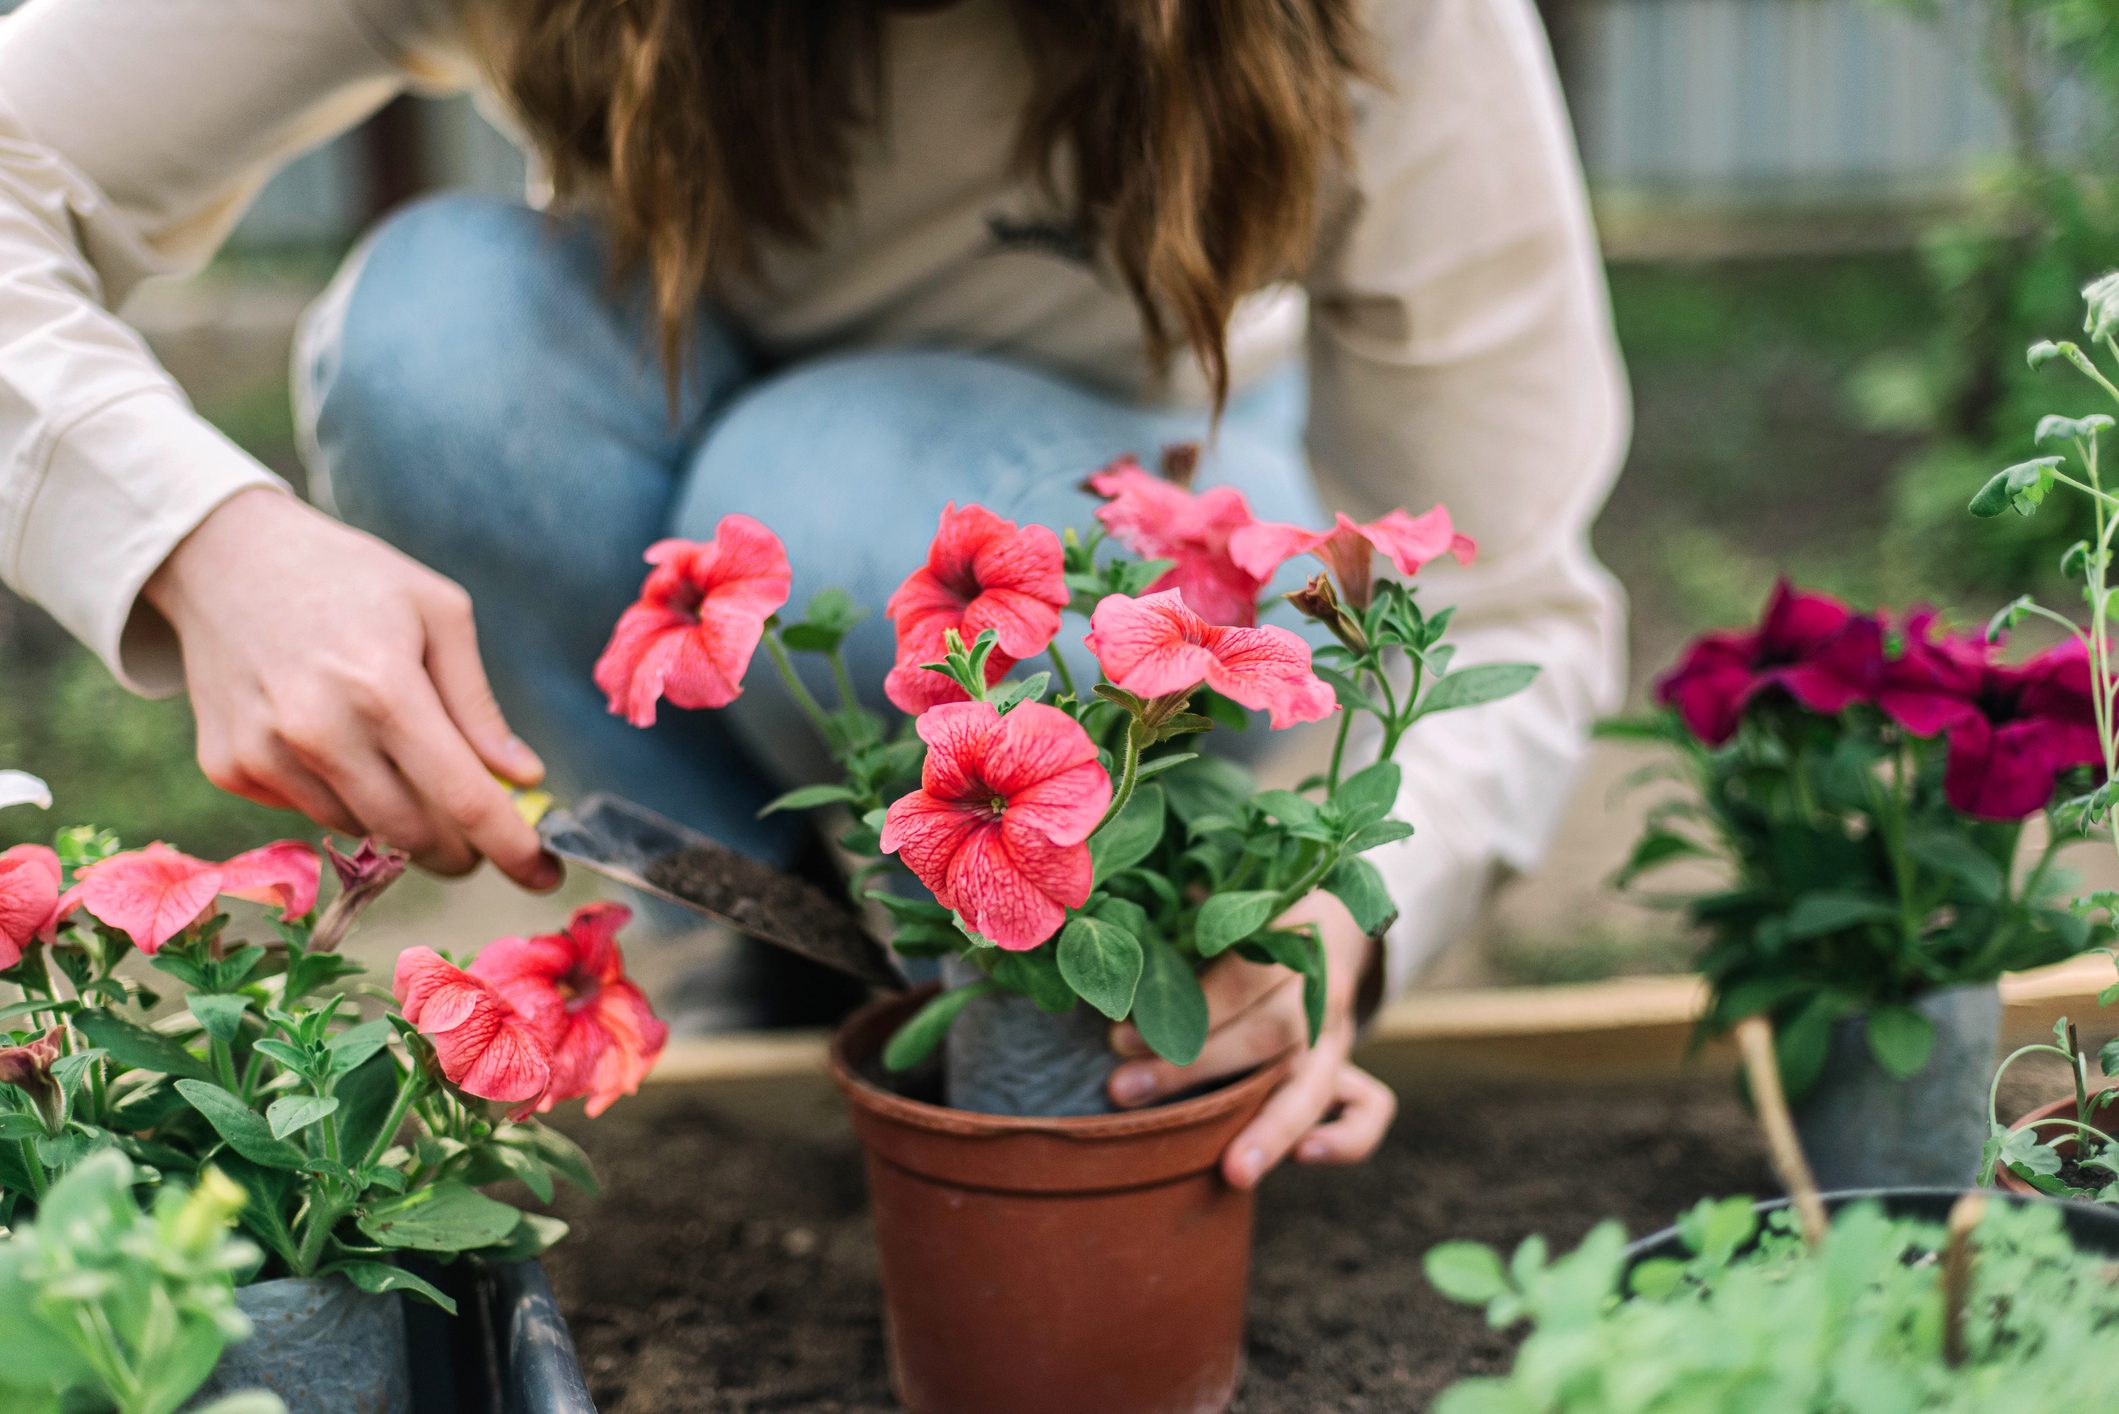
(634, 846)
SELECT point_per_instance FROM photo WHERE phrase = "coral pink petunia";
(1809, 646)
(155, 893)
(484, 1046)
(29, 899)
(1155, 646)
(1156, 518)
(572, 989)
(1349, 547)
(998, 828)
(982, 572)
(702, 609)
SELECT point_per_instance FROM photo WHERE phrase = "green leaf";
(220, 1013)
(250, 1401)
(1469, 1272)
(376, 1278)
(1469, 687)
(244, 1129)
(2020, 488)
(809, 798)
(1301, 953)
(1035, 973)
(1368, 795)
(1352, 696)
(1653, 850)
(139, 1048)
(2108, 1058)
(290, 1114)
(366, 1095)
(1132, 836)
(446, 1217)
(352, 1048)
(1378, 833)
(564, 1157)
(1169, 1009)
(916, 1040)
(1952, 855)
(1030, 689)
(270, 1204)
(1901, 1039)
(535, 1235)
(1830, 911)
(1357, 884)
(1160, 764)
(1230, 918)
(1288, 807)
(1101, 962)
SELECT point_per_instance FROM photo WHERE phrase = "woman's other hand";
(1328, 1110)
(332, 675)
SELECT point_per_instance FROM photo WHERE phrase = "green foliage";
(104, 1305)
(1848, 885)
(1856, 1324)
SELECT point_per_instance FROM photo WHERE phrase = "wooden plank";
(1628, 1028)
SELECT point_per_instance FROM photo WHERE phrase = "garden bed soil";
(731, 1266)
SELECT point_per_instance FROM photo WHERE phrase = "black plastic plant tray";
(507, 1351)
(2094, 1228)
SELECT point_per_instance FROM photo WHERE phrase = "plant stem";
(842, 679)
(224, 1065)
(34, 1166)
(1061, 670)
(324, 1212)
(1129, 774)
(1994, 1090)
(1346, 724)
(799, 690)
(408, 1095)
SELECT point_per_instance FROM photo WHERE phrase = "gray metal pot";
(1863, 1128)
(322, 1345)
(1005, 1056)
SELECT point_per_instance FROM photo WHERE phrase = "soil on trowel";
(749, 893)
(731, 1265)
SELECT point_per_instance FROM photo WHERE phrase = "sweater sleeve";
(132, 135)
(1461, 351)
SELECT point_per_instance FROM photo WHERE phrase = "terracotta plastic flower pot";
(2061, 1139)
(1054, 1266)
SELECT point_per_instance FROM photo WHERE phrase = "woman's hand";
(1328, 1110)
(334, 676)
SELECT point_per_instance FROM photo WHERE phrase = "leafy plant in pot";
(2065, 1149)
(358, 1143)
(1075, 865)
(1863, 782)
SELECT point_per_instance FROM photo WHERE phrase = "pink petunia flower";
(982, 572)
(1160, 520)
(1348, 548)
(998, 828)
(701, 611)
(155, 893)
(1809, 646)
(1155, 646)
(362, 877)
(29, 899)
(572, 989)
(484, 1046)
(2013, 729)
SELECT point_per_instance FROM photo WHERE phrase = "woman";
(873, 257)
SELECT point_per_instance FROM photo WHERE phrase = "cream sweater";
(1455, 323)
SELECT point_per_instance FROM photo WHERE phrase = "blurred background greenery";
(1824, 368)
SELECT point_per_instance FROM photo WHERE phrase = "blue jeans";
(478, 391)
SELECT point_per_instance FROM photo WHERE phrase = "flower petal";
(1000, 880)
(1412, 541)
(1151, 645)
(29, 899)
(1268, 669)
(283, 874)
(1258, 550)
(150, 894)
(928, 833)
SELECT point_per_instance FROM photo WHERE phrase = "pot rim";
(856, 1034)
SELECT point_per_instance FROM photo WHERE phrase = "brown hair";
(1195, 134)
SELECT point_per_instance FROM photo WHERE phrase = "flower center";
(576, 990)
(997, 804)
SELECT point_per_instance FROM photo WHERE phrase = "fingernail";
(1130, 1084)
(1311, 1151)
(1248, 1166)
(526, 762)
(549, 873)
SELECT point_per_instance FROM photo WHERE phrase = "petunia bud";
(1317, 600)
(28, 1068)
(362, 876)
(1181, 463)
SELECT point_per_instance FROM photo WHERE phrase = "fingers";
(1232, 987)
(1300, 1106)
(271, 775)
(428, 748)
(1366, 1107)
(459, 676)
(1259, 1033)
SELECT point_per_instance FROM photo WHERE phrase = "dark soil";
(769, 902)
(731, 1265)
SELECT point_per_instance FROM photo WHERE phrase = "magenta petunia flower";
(998, 828)
(484, 1046)
(1160, 520)
(155, 893)
(982, 572)
(702, 609)
(1809, 646)
(2013, 729)
(1155, 646)
(29, 899)
(1348, 549)
(572, 989)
